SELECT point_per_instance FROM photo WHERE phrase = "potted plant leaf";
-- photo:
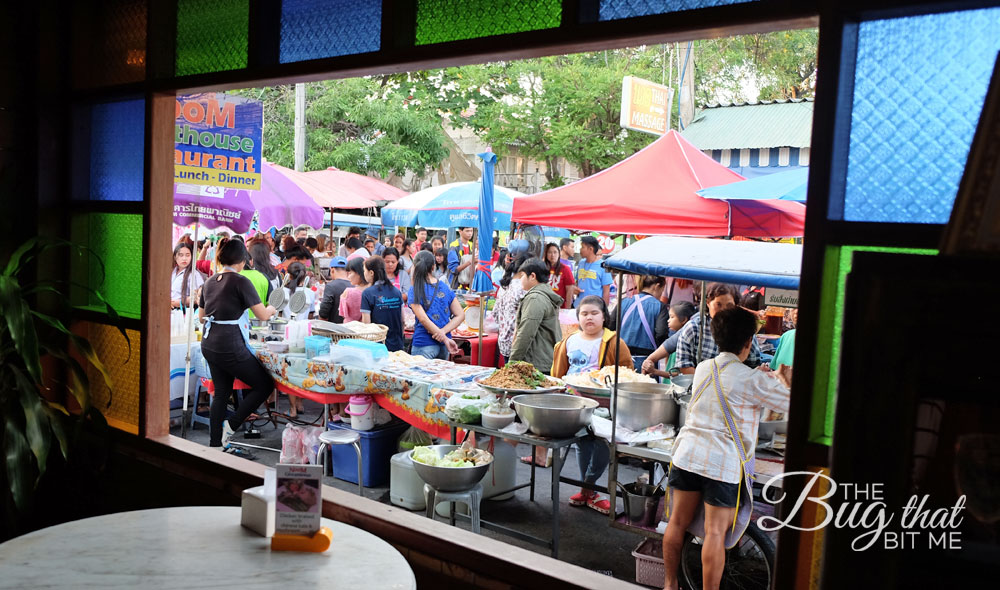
(35, 421)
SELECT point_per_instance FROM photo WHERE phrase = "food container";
(278, 325)
(641, 405)
(497, 419)
(316, 346)
(682, 383)
(278, 347)
(450, 479)
(554, 414)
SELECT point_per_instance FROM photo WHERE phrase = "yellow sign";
(646, 105)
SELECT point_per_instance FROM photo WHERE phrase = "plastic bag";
(299, 444)
(413, 437)
(457, 402)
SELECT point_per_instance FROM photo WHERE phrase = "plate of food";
(595, 382)
(519, 377)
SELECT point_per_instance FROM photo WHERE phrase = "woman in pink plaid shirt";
(708, 467)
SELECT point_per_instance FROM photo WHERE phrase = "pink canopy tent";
(370, 188)
(653, 193)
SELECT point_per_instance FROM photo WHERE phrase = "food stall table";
(175, 547)
(412, 393)
(560, 448)
(491, 351)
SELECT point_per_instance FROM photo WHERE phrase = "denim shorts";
(713, 492)
(431, 351)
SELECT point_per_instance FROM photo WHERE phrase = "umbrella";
(212, 207)
(322, 193)
(454, 204)
(366, 187)
(789, 185)
(482, 283)
(283, 201)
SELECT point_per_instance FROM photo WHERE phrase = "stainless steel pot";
(682, 403)
(641, 405)
(449, 479)
(554, 414)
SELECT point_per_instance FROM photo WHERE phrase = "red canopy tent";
(653, 193)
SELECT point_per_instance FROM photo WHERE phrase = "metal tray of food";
(510, 391)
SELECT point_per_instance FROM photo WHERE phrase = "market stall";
(660, 199)
(764, 264)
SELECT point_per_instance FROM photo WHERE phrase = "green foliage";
(360, 125)
(30, 421)
(779, 65)
(549, 108)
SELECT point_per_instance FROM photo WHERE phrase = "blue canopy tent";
(788, 185)
(758, 263)
(729, 261)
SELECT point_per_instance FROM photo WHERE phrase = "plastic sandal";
(599, 504)
(579, 499)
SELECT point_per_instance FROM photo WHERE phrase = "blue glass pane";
(615, 9)
(116, 150)
(314, 29)
(919, 87)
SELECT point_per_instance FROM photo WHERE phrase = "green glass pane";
(212, 35)
(116, 239)
(439, 21)
(836, 266)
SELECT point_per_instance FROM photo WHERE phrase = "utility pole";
(300, 127)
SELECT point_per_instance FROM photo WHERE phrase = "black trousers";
(249, 371)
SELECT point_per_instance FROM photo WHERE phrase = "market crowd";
(414, 283)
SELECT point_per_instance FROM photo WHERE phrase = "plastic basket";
(649, 563)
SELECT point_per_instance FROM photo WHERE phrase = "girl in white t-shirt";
(185, 280)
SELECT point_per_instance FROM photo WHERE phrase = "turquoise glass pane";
(314, 29)
(919, 87)
(116, 151)
(616, 9)
(439, 21)
(212, 35)
(116, 239)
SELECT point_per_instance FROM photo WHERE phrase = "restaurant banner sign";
(218, 140)
(646, 105)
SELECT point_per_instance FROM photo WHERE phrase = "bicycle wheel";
(749, 565)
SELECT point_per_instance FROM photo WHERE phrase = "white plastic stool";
(470, 498)
(340, 437)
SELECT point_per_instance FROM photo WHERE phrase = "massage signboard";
(218, 140)
(646, 105)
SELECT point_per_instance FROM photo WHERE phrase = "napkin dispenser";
(258, 510)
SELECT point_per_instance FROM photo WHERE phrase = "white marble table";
(189, 548)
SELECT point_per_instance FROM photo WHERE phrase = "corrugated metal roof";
(752, 125)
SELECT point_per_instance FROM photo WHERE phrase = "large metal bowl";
(641, 405)
(554, 414)
(450, 479)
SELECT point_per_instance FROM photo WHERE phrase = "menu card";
(299, 499)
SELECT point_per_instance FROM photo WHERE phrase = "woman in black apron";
(226, 299)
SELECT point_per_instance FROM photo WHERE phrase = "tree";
(765, 66)
(360, 124)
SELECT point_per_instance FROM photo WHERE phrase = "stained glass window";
(837, 265)
(116, 142)
(616, 9)
(919, 87)
(314, 29)
(212, 35)
(116, 238)
(111, 40)
(439, 21)
(120, 404)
